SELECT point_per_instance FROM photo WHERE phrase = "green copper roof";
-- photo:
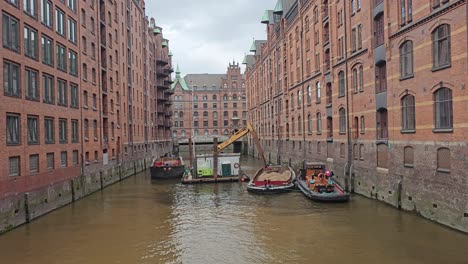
(157, 31)
(179, 80)
(253, 48)
(164, 44)
(266, 17)
(279, 7)
(245, 60)
(170, 54)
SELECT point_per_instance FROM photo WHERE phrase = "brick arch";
(440, 22)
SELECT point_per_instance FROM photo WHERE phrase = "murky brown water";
(137, 221)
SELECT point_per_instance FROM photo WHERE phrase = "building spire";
(177, 71)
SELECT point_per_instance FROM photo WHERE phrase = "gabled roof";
(179, 80)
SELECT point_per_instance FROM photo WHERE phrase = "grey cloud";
(205, 35)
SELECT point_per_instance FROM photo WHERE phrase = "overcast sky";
(205, 35)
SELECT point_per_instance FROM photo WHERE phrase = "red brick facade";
(109, 109)
(218, 106)
(374, 88)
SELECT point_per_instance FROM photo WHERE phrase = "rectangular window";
(72, 30)
(49, 130)
(60, 21)
(71, 4)
(63, 159)
(75, 157)
(34, 163)
(31, 83)
(379, 31)
(74, 96)
(13, 129)
(11, 79)
(46, 13)
(47, 51)
(93, 26)
(50, 161)
(73, 61)
(61, 58)
(14, 166)
(48, 86)
(13, 2)
(354, 39)
(62, 92)
(381, 78)
(30, 7)
(30, 42)
(359, 36)
(63, 132)
(10, 32)
(74, 131)
(33, 130)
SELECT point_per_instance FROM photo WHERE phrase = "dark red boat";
(167, 168)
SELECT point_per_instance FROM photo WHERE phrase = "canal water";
(140, 221)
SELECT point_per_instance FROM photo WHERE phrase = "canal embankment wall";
(424, 191)
(21, 208)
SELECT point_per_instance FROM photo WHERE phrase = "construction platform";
(190, 180)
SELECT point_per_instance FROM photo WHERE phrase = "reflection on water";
(139, 221)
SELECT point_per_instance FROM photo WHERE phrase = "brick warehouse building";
(86, 100)
(376, 89)
(218, 106)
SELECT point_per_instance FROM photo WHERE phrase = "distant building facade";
(376, 89)
(209, 105)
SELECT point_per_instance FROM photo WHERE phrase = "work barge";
(219, 167)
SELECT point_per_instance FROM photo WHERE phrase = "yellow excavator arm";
(241, 133)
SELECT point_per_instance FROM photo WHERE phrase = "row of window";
(67, 93)
(443, 117)
(206, 132)
(30, 6)
(14, 133)
(14, 163)
(214, 97)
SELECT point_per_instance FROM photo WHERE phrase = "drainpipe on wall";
(302, 88)
(350, 160)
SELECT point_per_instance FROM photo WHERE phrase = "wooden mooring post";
(191, 152)
(215, 158)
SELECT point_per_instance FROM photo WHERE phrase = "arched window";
(243, 97)
(196, 132)
(181, 114)
(441, 46)
(342, 112)
(363, 124)
(381, 77)
(406, 59)
(225, 97)
(309, 95)
(408, 113)
(361, 78)
(234, 97)
(195, 114)
(215, 115)
(234, 114)
(443, 109)
(341, 78)
(382, 124)
(205, 114)
(215, 97)
(355, 80)
(443, 160)
(184, 134)
(205, 97)
(309, 124)
(226, 114)
(319, 123)
(318, 92)
(226, 132)
(299, 125)
(292, 101)
(299, 99)
(356, 127)
(293, 126)
(176, 115)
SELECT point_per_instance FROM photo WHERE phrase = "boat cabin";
(317, 177)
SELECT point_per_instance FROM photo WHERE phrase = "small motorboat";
(317, 183)
(272, 179)
(167, 168)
